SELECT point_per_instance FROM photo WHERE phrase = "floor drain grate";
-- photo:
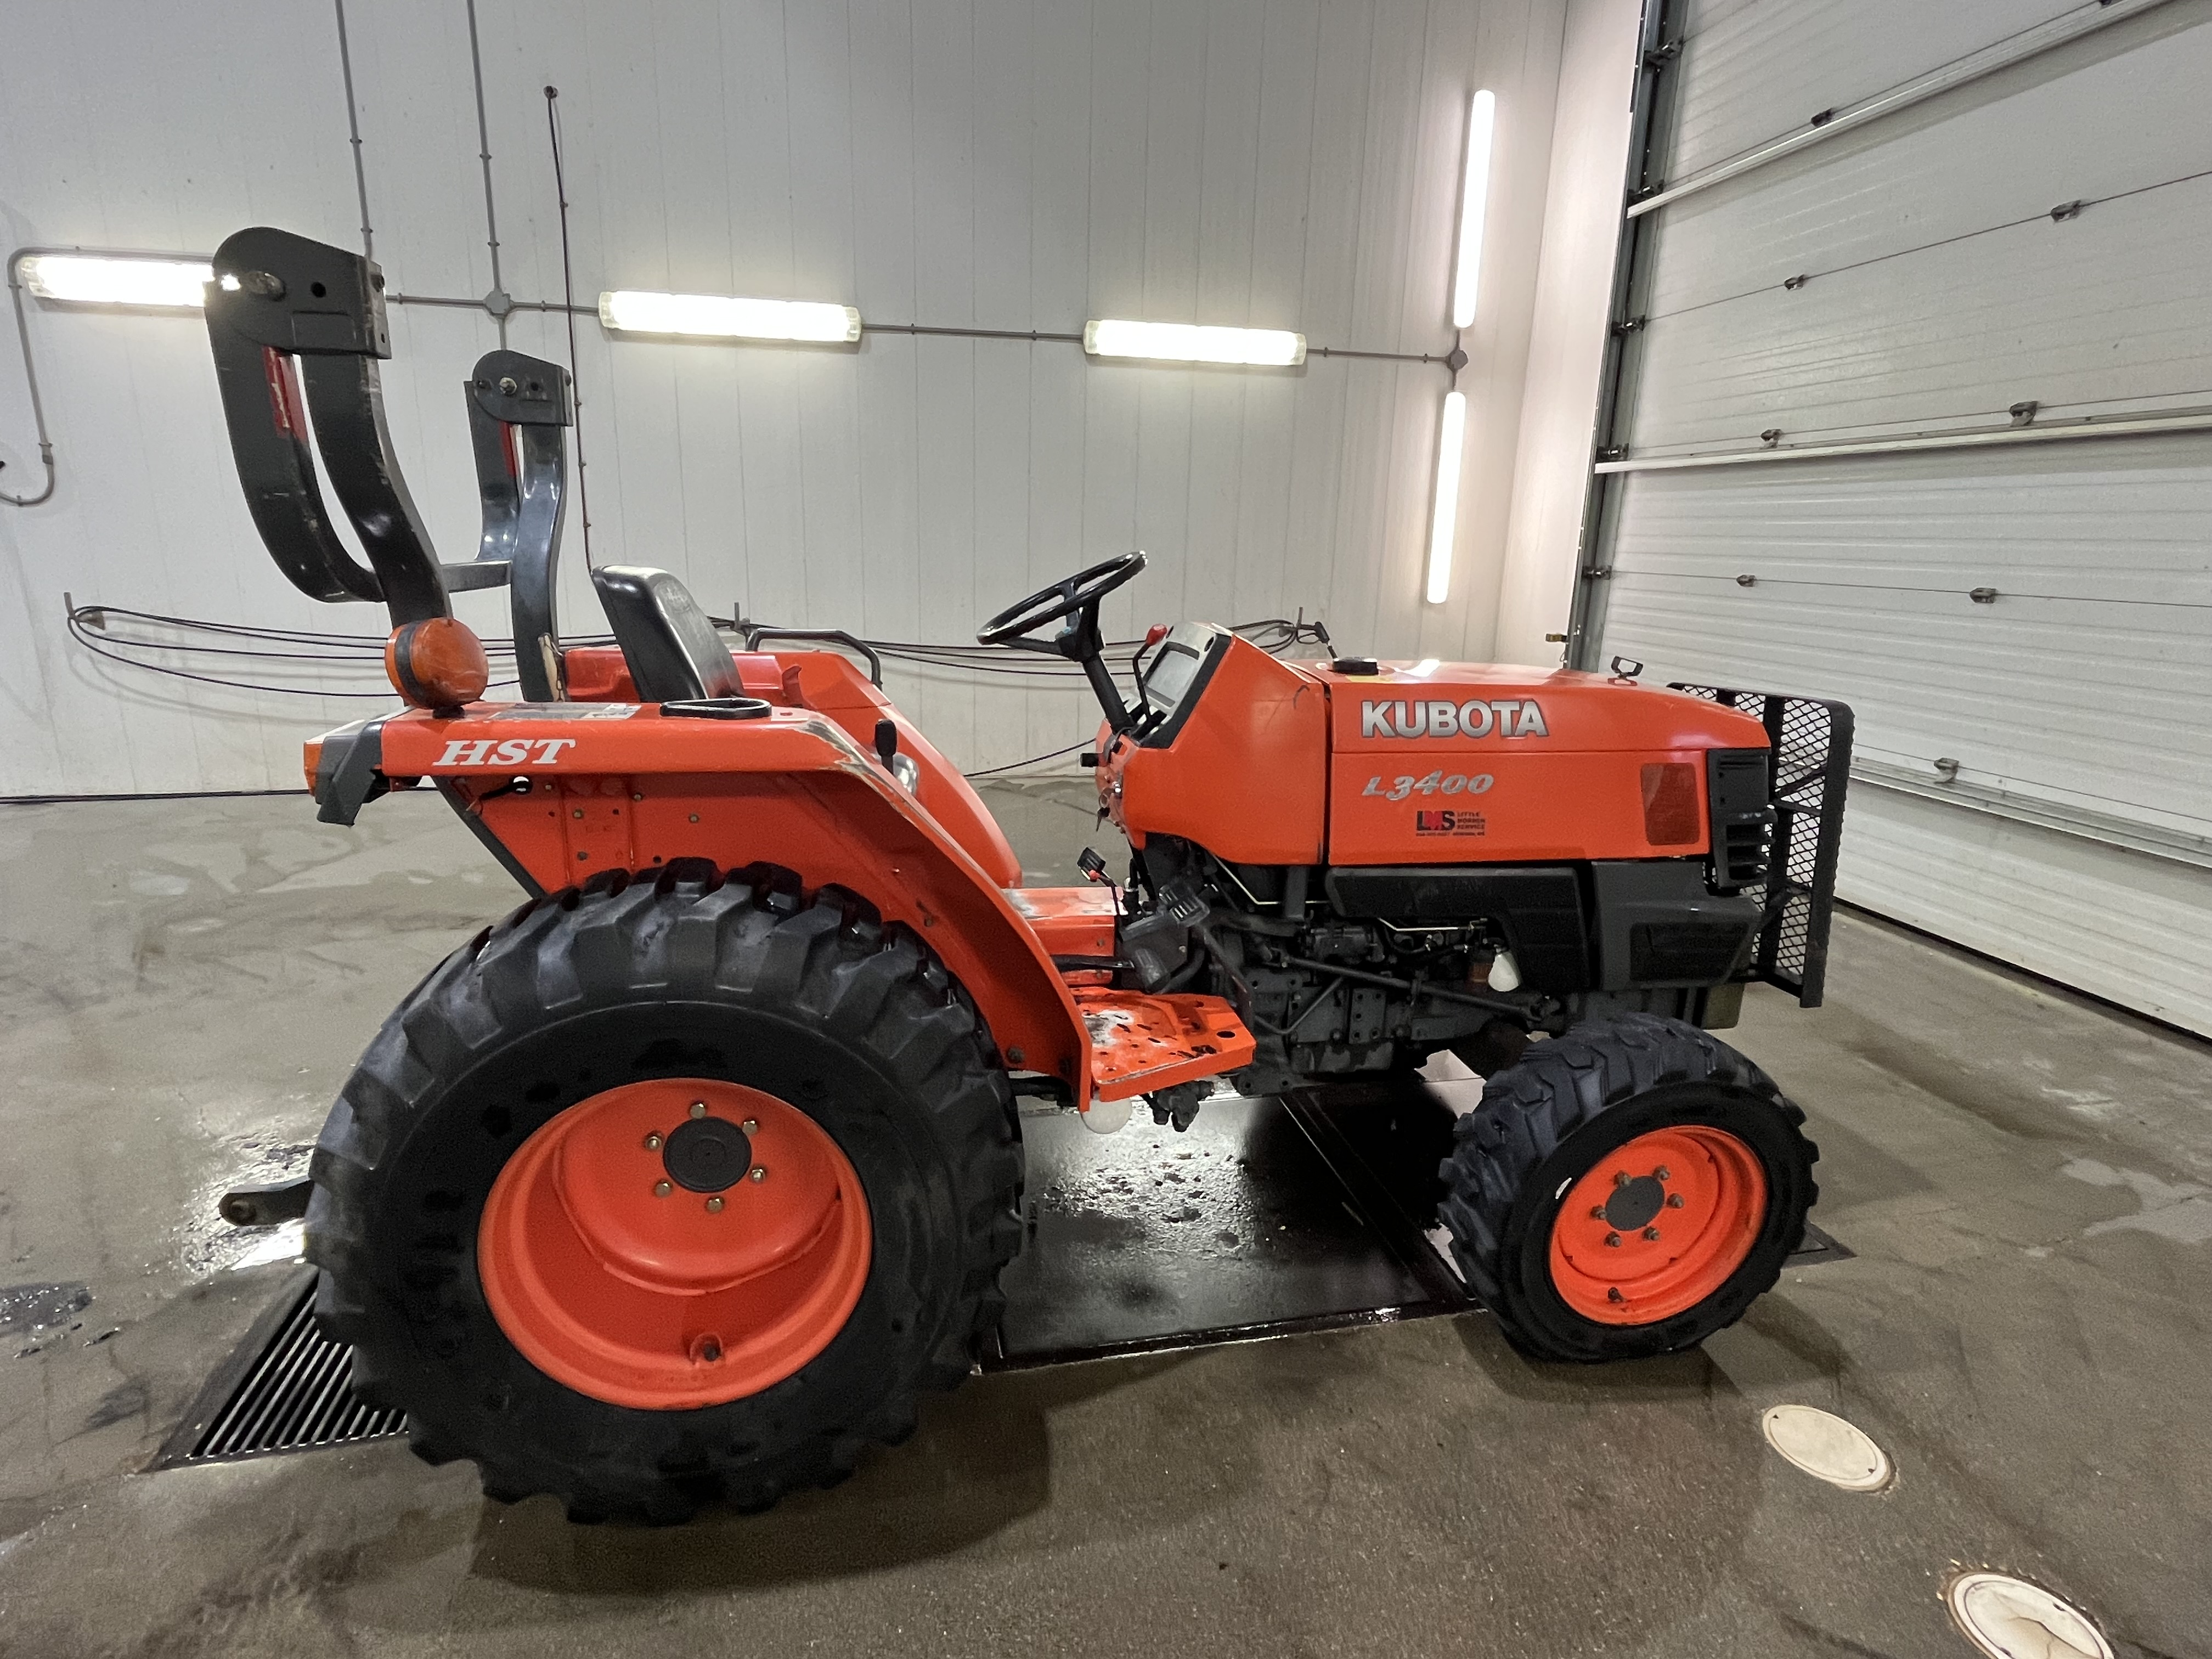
(288, 1388)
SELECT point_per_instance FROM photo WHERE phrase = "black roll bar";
(298, 328)
(518, 409)
(275, 298)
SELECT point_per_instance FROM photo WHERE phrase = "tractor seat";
(672, 650)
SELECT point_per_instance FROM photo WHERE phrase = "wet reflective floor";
(2026, 1329)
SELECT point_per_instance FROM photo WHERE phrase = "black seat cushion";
(672, 650)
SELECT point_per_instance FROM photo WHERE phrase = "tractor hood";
(1452, 762)
(1358, 763)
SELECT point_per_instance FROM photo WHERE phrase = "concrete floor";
(2026, 1327)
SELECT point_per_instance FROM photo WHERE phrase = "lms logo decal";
(1507, 717)
(515, 752)
(1451, 822)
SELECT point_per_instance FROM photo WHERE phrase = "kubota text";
(1508, 717)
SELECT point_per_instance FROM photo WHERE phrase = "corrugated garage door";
(1911, 405)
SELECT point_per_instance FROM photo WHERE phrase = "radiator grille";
(1812, 740)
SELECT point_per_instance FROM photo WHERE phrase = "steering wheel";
(1074, 595)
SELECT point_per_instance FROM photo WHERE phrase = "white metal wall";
(2073, 836)
(1566, 342)
(991, 164)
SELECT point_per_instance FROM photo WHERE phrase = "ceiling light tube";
(150, 282)
(1474, 201)
(724, 316)
(1193, 342)
(1443, 523)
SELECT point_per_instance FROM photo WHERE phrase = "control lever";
(904, 768)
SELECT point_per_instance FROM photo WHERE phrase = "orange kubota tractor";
(689, 1178)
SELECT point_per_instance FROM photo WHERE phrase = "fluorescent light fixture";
(1474, 201)
(1193, 342)
(721, 317)
(118, 279)
(1451, 438)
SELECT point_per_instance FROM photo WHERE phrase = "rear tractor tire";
(1625, 1189)
(669, 1191)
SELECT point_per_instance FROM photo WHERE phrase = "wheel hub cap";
(707, 1154)
(1635, 1202)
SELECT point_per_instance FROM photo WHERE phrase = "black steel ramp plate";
(1306, 1212)
(1262, 1220)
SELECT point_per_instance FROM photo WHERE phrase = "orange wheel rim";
(1657, 1225)
(674, 1244)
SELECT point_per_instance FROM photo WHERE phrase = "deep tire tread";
(751, 937)
(1557, 1088)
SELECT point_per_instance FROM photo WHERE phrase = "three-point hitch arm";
(298, 328)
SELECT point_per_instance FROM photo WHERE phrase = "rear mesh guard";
(1812, 740)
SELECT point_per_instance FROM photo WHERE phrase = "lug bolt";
(759, 1172)
(652, 1141)
(698, 1109)
(1651, 1233)
(661, 1189)
(1620, 1178)
(579, 812)
(1662, 1173)
(714, 1204)
(1597, 1212)
(1674, 1201)
(750, 1126)
(1613, 1241)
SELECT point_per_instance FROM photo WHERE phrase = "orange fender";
(618, 787)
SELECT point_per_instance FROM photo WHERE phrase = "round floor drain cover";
(1826, 1447)
(2008, 1618)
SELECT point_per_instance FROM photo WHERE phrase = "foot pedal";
(1140, 1043)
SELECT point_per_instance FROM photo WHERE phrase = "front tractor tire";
(1625, 1189)
(667, 1191)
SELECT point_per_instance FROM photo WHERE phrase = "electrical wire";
(1034, 760)
(154, 641)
